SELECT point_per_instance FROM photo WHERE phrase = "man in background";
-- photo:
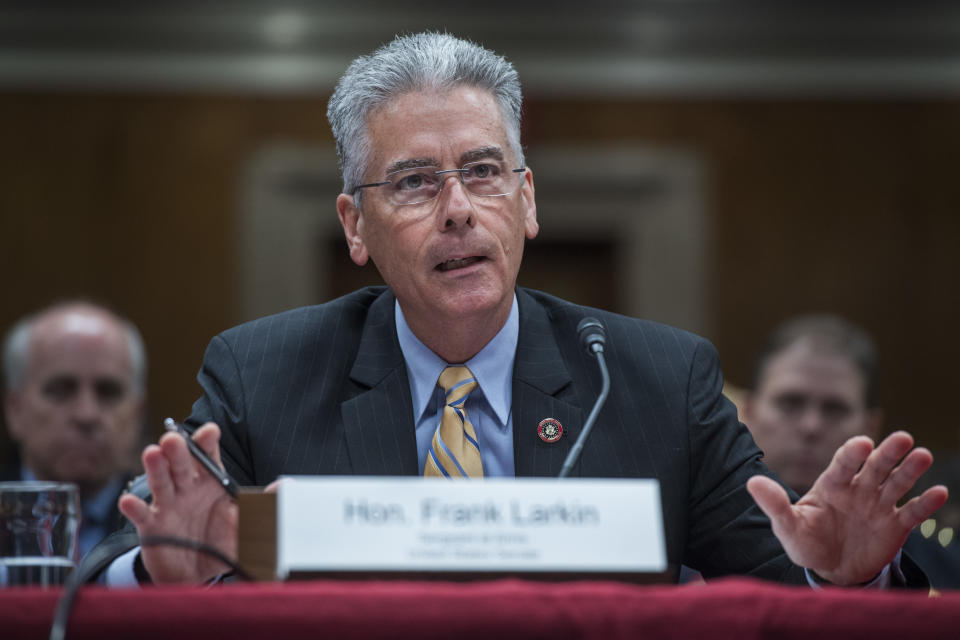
(74, 401)
(814, 387)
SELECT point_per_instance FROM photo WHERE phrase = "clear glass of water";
(38, 532)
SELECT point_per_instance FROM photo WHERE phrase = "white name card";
(408, 524)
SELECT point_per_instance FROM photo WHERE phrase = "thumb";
(772, 500)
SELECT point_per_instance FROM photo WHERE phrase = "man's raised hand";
(188, 503)
(848, 527)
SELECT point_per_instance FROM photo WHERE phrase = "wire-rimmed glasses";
(489, 178)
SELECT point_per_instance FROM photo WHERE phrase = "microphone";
(592, 337)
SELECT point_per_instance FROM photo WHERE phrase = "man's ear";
(530, 225)
(351, 219)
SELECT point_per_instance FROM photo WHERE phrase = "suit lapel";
(378, 422)
(540, 390)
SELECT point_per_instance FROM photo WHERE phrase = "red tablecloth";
(495, 610)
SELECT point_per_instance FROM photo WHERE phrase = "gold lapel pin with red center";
(549, 430)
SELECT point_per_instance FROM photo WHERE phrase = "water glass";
(38, 532)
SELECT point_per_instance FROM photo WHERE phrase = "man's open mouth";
(459, 263)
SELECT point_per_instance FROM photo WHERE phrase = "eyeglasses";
(421, 184)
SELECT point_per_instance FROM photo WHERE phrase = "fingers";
(884, 475)
(275, 485)
(272, 487)
(847, 461)
(134, 509)
(157, 469)
(857, 461)
(208, 437)
(922, 507)
(773, 501)
(884, 459)
(171, 468)
(181, 464)
(904, 476)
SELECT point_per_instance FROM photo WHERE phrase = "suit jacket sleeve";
(223, 402)
(728, 534)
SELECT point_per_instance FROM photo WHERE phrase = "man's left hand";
(848, 527)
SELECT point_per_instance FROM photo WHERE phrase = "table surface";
(490, 610)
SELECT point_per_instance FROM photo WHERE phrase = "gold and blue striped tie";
(454, 452)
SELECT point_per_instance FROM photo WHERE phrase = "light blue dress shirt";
(488, 407)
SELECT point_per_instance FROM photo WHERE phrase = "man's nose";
(811, 421)
(455, 209)
(86, 408)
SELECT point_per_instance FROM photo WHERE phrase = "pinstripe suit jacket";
(324, 390)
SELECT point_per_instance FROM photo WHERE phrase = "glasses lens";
(413, 185)
(488, 178)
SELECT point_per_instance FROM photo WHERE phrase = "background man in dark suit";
(75, 377)
(437, 194)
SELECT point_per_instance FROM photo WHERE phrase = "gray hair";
(16, 345)
(424, 61)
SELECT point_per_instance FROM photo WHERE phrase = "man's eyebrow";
(482, 153)
(412, 163)
(472, 155)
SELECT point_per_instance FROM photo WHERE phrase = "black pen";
(222, 476)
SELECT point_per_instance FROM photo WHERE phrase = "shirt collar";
(492, 366)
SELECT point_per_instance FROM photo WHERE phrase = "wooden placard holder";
(257, 533)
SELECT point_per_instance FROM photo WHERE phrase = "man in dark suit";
(74, 396)
(437, 194)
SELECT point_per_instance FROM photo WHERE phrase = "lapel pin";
(549, 430)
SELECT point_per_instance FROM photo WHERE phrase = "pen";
(228, 484)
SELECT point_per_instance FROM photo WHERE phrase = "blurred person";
(814, 387)
(437, 194)
(74, 403)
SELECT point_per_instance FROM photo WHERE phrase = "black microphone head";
(592, 334)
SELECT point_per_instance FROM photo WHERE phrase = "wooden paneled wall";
(848, 207)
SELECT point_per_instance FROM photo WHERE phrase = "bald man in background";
(74, 402)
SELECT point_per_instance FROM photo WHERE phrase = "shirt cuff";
(884, 579)
(120, 573)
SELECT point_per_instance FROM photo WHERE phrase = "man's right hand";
(188, 502)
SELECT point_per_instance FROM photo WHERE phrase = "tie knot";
(458, 381)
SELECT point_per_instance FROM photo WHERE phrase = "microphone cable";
(118, 545)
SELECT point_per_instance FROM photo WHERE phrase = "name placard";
(508, 525)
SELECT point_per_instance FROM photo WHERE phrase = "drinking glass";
(38, 532)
